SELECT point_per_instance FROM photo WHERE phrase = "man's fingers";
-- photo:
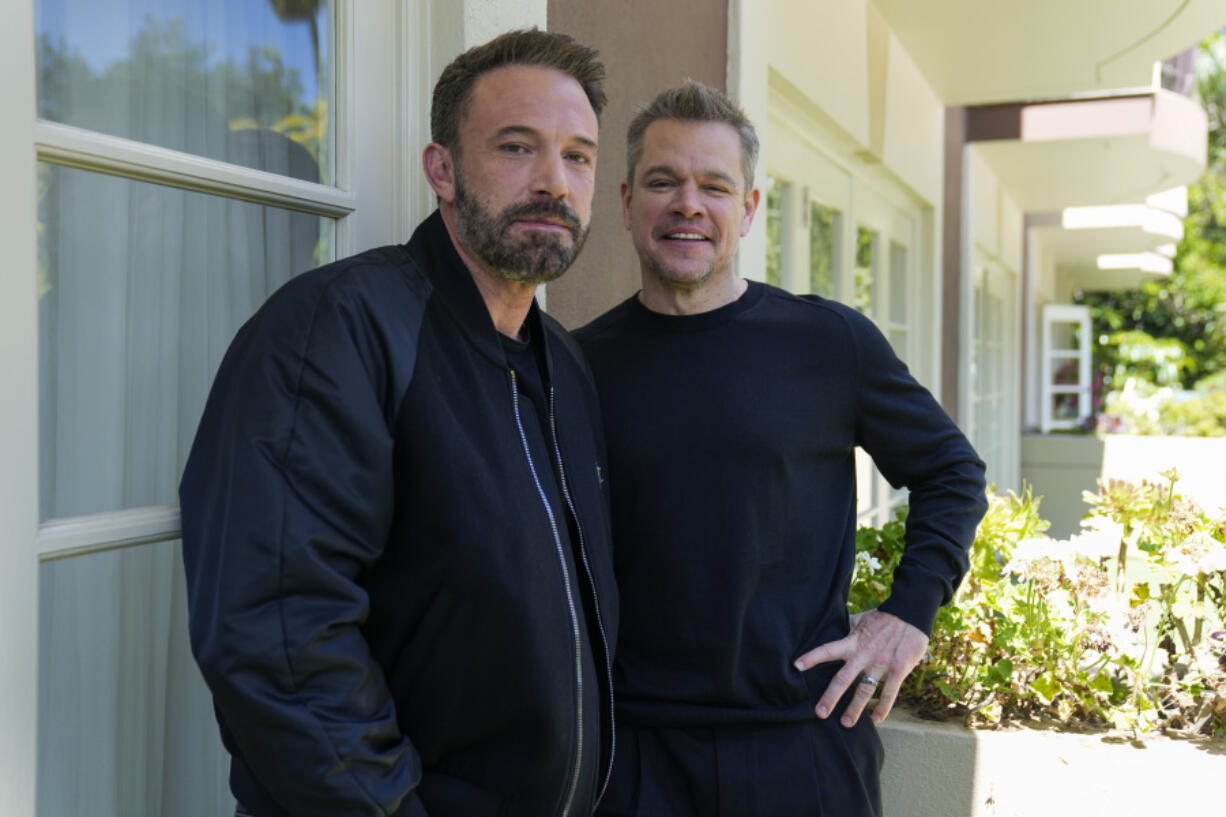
(889, 694)
(832, 651)
(838, 685)
(866, 685)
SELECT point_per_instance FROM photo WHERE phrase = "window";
(1065, 365)
(991, 408)
(188, 166)
(865, 270)
(774, 232)
(825, 225)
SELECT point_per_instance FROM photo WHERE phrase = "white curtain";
(142, 287)
(146, 286)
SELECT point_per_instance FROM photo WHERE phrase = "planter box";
(945, 770)
(1060, 466)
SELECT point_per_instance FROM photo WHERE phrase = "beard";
(536, 258)
(676, 281)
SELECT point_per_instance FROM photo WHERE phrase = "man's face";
(687, 207)
(525, 172)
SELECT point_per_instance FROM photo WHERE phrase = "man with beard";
(732, 412)
(394, 520)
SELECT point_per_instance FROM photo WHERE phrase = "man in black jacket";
(732, 413)
(394, 515)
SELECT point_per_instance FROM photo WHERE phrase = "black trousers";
(813, 768)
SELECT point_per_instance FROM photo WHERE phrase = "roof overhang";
(979, 51)
(1112, 247)
(1104, 150)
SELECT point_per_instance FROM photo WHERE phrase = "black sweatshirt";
(731, 438)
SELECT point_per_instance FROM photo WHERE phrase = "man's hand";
(879, 648)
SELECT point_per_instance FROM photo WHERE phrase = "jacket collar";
(436, 256)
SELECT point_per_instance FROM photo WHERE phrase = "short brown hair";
(531, 46)
(693, 102)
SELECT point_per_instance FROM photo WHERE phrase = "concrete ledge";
(945, 770)
(1060, 466)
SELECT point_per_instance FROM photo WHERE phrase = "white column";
(747, 87)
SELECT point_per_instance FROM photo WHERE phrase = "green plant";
(1074, 631)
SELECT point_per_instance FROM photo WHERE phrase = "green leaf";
(1102, 683)
(947, 690)
(1046, 687)
(1003, 670)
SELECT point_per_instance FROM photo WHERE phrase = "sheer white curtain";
(142, 287)
(146, 287)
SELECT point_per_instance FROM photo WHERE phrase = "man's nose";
(550, 177)
(686, 200)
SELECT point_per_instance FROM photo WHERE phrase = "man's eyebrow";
(664, 170)
(525, 130)
(706, 175)
(515, 130)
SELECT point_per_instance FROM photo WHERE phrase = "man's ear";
(440, 171)
(751, 207)
(626, 204)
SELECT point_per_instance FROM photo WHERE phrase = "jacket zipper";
(570, 597)
(587, 568)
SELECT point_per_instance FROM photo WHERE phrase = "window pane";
(1065, 406)
(862, 298)
(1067, 372)
(774, 232)
(1065, 335)
(898, 283)
(823, 254)
(243, 81)
(125, 722)
(866, 483)
(142, 287)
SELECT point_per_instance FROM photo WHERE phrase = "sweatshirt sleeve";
(287, 498)
(915, 444)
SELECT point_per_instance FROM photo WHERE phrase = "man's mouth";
(543, 224)
(684, 235)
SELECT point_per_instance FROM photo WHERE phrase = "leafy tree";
(1186, 311)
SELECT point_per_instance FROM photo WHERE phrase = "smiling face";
(518, 189)
(686, 206)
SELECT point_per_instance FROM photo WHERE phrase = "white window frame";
(384, 70)
(1050, 362)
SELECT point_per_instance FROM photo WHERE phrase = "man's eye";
(513, 147)
(715, 188)
(579, 158)
(658, 184)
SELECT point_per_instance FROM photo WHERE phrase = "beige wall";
(646, 48)
(847, 64)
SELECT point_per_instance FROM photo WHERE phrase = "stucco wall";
(845, 61)
(646, 48)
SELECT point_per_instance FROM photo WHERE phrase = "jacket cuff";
(914, 600)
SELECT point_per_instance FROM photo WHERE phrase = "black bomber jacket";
(377, 600)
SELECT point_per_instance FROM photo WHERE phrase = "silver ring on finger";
(870, 680)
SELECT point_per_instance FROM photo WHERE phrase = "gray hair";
(693, 102)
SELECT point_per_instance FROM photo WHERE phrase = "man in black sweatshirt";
(732, 412)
